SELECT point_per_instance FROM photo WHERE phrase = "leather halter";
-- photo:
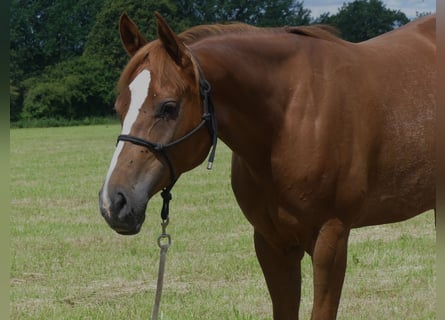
(208, 118)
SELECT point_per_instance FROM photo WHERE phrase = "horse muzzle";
(121, 213)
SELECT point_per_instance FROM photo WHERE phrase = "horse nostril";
(120, 205)
(120, 200)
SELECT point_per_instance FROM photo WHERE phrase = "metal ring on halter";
(163, 237)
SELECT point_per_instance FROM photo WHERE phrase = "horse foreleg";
(329, 264)
(282, 271)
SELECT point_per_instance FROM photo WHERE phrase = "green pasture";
(66, 263)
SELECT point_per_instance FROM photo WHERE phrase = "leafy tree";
(285, 12)
(43, 33)
(82, 86)
(364, 19)
(422, 14)
(259, 12)
(72, 89)
(103, 41)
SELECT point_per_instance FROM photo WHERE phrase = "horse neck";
(247, 92)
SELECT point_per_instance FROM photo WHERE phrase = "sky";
(409, 7)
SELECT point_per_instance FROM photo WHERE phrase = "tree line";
(66, 56)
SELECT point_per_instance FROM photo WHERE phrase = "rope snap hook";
(164, 239)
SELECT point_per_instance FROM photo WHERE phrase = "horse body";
(344, 139)
(349, 131)
(326, 136)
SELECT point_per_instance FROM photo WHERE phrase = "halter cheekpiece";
(208, 118)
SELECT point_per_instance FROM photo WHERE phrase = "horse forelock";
(130, 68)
(153, 57)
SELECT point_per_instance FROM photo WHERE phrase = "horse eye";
(168, 110)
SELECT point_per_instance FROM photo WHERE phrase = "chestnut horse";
(326, 136)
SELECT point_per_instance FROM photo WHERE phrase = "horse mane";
(319, 31)
(197, 33)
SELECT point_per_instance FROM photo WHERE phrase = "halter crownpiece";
(208, 118)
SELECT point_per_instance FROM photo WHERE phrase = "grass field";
(66, 263)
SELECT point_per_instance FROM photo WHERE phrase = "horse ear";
(132, 39)
(174, 46)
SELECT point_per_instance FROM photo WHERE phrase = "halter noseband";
(208, 118)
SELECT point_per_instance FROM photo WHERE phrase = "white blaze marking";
(139, 92)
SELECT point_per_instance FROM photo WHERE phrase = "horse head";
(164, 132)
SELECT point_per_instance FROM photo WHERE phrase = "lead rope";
(164, 242)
